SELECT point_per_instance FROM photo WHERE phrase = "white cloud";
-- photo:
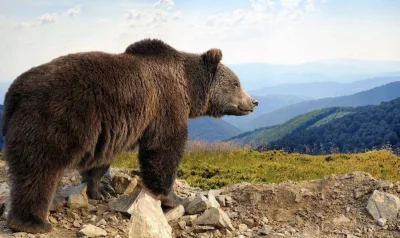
(47, 18)
(73, 12)
(164, 3)
(290, 4)
(22, 25)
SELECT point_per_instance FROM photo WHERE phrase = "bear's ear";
(212, 58)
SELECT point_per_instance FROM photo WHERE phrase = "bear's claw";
(100, 191)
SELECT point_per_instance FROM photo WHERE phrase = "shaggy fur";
(81, 110)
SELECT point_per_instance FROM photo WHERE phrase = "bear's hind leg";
(95, 188)
(159, 166)
(31, 195)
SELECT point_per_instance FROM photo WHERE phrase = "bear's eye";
(236, 84)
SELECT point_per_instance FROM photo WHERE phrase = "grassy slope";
(307, 120)
(215, 169)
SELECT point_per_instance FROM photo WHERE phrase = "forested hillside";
(366, 128)
(370, 97)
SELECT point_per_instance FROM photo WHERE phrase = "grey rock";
(265, 230)
(212, 201)
(249, 222)
(221, 200)
(101, 222)
(215, 217)
(72, 190)
(383, 205)
(182, 224)
(199, 204)
(175, 213)
(93, 231)
(77, 201)
(125, 203)
(147, 218)
(382, 221)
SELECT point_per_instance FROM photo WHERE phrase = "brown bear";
(81, 110)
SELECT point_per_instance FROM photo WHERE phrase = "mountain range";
(373, 96)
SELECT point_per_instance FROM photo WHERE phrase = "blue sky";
(271, 31)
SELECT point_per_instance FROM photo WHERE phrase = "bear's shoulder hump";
(149, 47)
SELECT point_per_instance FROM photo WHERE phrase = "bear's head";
(227, 96)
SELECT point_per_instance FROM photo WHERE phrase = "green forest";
(366, 128)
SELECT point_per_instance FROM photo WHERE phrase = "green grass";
(215, 169)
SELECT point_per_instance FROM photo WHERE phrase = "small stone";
(52, 220)
(77, 201)
(175, 213)
(120, 182)
(351, 236)
(77, 224)
(243, 227)
(341, 219)
(102, 208)
(228, 200)
(382, 221)
(213, 201)
(199, 204)
(277, 235)
(265, 230)
(221, 200)
(215, 217)
(202, 229)
(189, 219)
(131, 186)
(298, 198)
(73, 215)
(182, 224)
(93, 219)
(92, 231)
(383, 205)
(249, 222)
(101, 222)
(265, 220)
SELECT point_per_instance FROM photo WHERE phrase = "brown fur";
(81, 110)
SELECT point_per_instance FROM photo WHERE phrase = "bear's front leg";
(96, 189)
(159, 162)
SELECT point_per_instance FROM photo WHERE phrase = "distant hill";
(266, 104)
(363, 128)
(319, 90)
(311, 119)
(370, 97)
(258, 75)
(211, 129)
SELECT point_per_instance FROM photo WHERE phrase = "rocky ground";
(349, 205)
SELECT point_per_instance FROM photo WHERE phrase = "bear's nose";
(255, 102)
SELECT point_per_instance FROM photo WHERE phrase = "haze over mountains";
(255, 76)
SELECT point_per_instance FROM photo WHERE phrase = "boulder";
(383, 205)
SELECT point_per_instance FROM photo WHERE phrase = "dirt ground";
(334, 206)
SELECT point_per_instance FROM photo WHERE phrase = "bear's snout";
(255, 102)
